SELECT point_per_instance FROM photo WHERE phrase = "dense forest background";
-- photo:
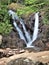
(22, 8)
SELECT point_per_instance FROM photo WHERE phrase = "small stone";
(27, 60)
(0, 39)
(22, 51)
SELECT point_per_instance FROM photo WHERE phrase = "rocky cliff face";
(13, 41)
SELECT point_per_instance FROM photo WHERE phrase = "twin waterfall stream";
(20, 32)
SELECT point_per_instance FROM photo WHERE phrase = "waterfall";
(35, 33)
(25, 31)
(20, 32)
(14, 16)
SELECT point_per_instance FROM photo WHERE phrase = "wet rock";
(12, 41)
(39, 44)
(42, 40)
(29, 22)
(21, 44)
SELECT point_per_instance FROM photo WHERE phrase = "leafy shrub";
(29, 2)
(5, 26)
(46, 16)
(5, 2)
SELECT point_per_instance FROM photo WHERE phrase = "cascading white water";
(14, 16)
(35, 33)
(25, 31)
(19, 31)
